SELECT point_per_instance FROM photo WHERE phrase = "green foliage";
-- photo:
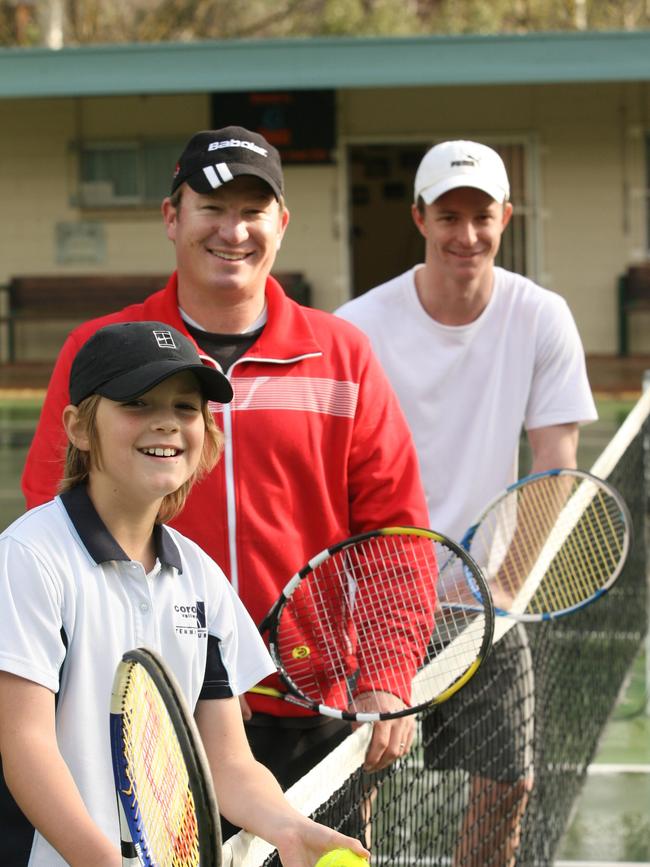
(369, 18)
(26, 22)
(17, 24)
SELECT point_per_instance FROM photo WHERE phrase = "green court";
(611, 822)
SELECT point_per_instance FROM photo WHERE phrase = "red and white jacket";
(317, 449)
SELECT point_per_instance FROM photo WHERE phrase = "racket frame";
(523, 617)
(191, 747)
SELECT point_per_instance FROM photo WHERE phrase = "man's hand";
(391, 739)
(501, 597)
(246, 711)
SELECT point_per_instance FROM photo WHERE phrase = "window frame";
(142, 150)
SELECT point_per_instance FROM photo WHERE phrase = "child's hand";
(303, 845)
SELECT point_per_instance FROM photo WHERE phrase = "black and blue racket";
(551, 544)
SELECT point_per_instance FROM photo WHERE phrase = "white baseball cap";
(453, 164)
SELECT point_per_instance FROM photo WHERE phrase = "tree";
(70, 22)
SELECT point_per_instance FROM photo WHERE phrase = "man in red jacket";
(317, 448)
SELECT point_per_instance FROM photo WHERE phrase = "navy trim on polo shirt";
(97, 539)
(166, 549)
(216, 683)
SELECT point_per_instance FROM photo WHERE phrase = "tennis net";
(518, 739)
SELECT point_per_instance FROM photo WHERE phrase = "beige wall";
(313, 244)
(588, 166)
(37, 175)
(37, 172)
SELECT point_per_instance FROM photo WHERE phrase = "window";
(120, 174)
(515, 252)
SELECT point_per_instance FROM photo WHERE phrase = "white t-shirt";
(73, 603)
(468, 390)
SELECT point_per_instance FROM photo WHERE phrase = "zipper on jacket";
(229, 463)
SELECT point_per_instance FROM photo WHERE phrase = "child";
(93, 573)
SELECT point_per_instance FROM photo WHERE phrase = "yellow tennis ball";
(341, 858)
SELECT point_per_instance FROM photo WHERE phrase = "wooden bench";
(72, 298)
(75, 298)
(633, 296)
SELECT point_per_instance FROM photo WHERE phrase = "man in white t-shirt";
(475, 354)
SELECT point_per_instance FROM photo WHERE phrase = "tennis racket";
(166, 803)
(551, 544)
(363, 622)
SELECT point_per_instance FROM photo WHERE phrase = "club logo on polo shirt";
(190, 619)
(164, 339)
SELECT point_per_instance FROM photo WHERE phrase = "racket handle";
(267, 690)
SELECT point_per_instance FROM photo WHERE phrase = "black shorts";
(290, 747)
(487, 728)
(16, 833)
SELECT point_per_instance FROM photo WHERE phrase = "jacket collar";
(98, 541)
(287, 334)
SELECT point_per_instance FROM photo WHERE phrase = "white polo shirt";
(73, 603)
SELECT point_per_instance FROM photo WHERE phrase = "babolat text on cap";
(124, 360)
(454, 164)
(214, 157)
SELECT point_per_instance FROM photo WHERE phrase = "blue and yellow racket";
(166, 803)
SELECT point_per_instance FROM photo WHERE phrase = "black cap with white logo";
(124, 360)
(214, 157)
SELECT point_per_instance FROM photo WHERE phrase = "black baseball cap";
(214, 157)
(124, 360)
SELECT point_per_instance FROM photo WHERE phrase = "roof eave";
(243, 65)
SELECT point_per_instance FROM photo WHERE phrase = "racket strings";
(404, 626)
(588, 555)
(545, 500)
(519, 528)
(367, 619)
(342, 614)
(158, 775)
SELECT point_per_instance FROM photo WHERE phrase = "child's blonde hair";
(78, 462)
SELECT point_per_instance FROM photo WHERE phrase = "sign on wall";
(80, 242)
(301, 124)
